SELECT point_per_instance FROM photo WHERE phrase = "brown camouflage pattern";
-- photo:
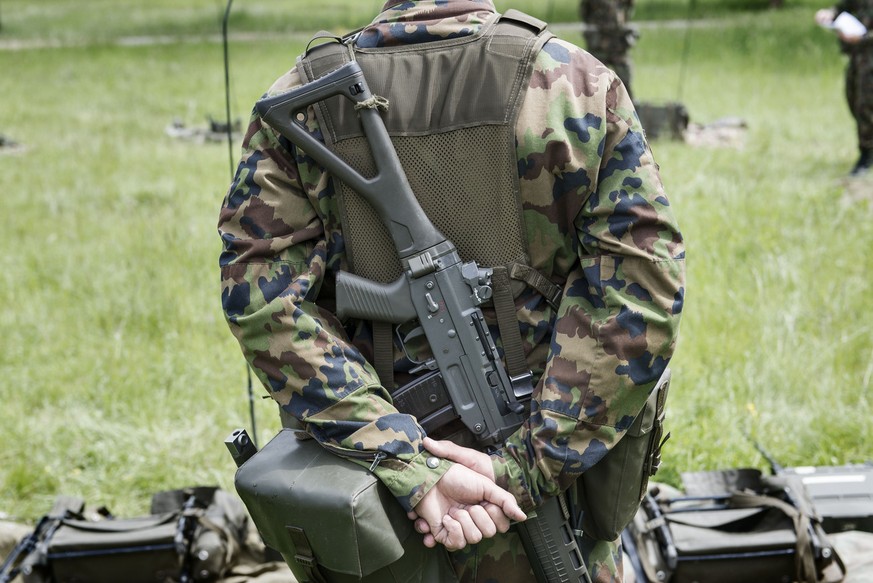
(598, 224)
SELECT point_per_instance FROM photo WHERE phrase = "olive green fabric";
(308, 502)
(626, 469)
(436, 123)
(138, 550)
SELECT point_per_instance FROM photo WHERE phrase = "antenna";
(775, 466)
(229, 128)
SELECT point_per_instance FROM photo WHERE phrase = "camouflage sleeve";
(278, 226)
(585, 154)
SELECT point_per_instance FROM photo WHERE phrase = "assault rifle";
(439, 292)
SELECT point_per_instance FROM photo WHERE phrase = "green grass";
(118, 376)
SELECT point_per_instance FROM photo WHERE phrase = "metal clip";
(522, 385)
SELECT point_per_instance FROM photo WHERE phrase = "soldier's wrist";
(410, 480)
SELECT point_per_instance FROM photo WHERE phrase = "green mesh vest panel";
(452, 114)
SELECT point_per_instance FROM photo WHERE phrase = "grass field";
(118, 376)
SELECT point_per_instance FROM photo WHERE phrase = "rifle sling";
(383, 353)
(507, 322)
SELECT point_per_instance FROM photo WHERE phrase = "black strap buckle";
(522, 385)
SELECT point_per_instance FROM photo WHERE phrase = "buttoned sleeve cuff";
(410, 479)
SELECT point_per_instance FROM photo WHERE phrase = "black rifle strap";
(383, 353)
(507, 322)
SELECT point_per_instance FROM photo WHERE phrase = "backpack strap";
(519, 17)
(804, 561)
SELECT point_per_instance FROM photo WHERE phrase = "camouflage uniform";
(597, 222)
(859, 73)
(608, 36)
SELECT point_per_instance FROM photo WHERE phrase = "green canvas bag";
(331, 519)
(135, 550)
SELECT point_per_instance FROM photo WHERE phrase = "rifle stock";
(388, 191)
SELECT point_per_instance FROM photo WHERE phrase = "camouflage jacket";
(597, 221)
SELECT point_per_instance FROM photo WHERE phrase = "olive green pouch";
(610, 493)
(331, 519)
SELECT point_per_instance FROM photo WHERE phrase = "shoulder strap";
(520, 17)
(383, 352)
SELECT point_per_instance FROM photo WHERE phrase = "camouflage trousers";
(501, 559)
(859, 94)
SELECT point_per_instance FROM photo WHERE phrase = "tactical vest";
(453, 107)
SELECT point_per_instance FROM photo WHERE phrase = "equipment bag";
(132, 549)
(627, 468)
(331, 519)
(192, 535)
(843, 495)
(730, 527)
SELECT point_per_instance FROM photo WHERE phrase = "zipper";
(380, 455)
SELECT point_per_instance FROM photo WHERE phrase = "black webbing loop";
(383, 353)
(304, 557)
(551, 292)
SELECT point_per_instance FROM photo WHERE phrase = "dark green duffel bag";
(331, 519)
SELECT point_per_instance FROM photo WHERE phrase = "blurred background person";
(608, 36)
(857, 44)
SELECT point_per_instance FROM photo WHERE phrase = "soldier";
(859, 74)
(548, 176)
(608, 36)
